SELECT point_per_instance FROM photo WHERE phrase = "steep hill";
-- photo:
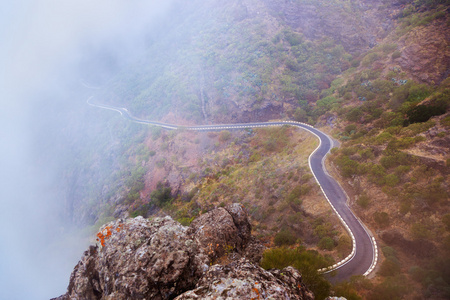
(372, 73)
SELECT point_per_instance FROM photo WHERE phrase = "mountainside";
(373, 74)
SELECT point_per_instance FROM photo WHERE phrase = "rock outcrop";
(244, 280)
(161, 259)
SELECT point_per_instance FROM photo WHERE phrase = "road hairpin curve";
(364, 255)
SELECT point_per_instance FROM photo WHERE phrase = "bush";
(347, 166)
(346, 290)
(162, 194)
(363, 201)
(381, 218)
(369, 59)
(307, 262)
(383, 137)
(389, 267)
(391, 288)
(377, 174)
(300, 115)
(224, 135)
(422, 113)
(419, 231)
(354, 115)
(396, 54)
(326, 243)
(299, 190)
(391, 180)
(388, 251)
(293, 38)
(285, 237)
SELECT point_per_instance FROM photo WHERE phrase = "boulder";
(161, 259)
(244, 280)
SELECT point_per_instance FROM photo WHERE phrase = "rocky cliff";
(214, 258)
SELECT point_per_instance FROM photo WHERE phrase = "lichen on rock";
(161, 259)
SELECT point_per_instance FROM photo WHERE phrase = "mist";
(48, 48)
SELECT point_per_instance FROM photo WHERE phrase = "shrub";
(399, 96)
(307, 262)
(326, 243)
(381, 218)
(369, 59)
(294, 195)
(396, 54)
(391, 288)
(347, 166)
(293, 38)
(400, 170)
(363, 201)
(367, 154)
(185, 221)
(389, 267)
(389, 251)
(224, 135)
(354, 115)
(162, 194)
(383, 138)
(377, 174)
(418, 92)
(140, 211)
(346, 290)
(300, 115)
(344, 245)
(391, 180)
(350, 128)
(422, 113)
(419, 231)
(285, 237)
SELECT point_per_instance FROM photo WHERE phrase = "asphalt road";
(364, 255)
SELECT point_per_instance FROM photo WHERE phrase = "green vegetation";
(381, 218)
(363, 201)
(391, 264)
(384, 120)
(326, 243)
(308, 262)
(162, 194)
(285, 237)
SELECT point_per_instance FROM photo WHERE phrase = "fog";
(48, 48)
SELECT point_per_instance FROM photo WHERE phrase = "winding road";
(364, 255)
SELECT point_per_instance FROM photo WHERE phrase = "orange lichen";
(257, 293)
(102, 235)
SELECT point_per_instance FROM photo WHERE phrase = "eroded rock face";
(161, 259)
(425, 52)
(243, 280)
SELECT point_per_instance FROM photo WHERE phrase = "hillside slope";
(372, 73)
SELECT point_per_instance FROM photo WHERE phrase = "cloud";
(43, 44)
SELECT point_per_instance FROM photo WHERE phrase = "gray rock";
(243, 280)
(161, 259)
